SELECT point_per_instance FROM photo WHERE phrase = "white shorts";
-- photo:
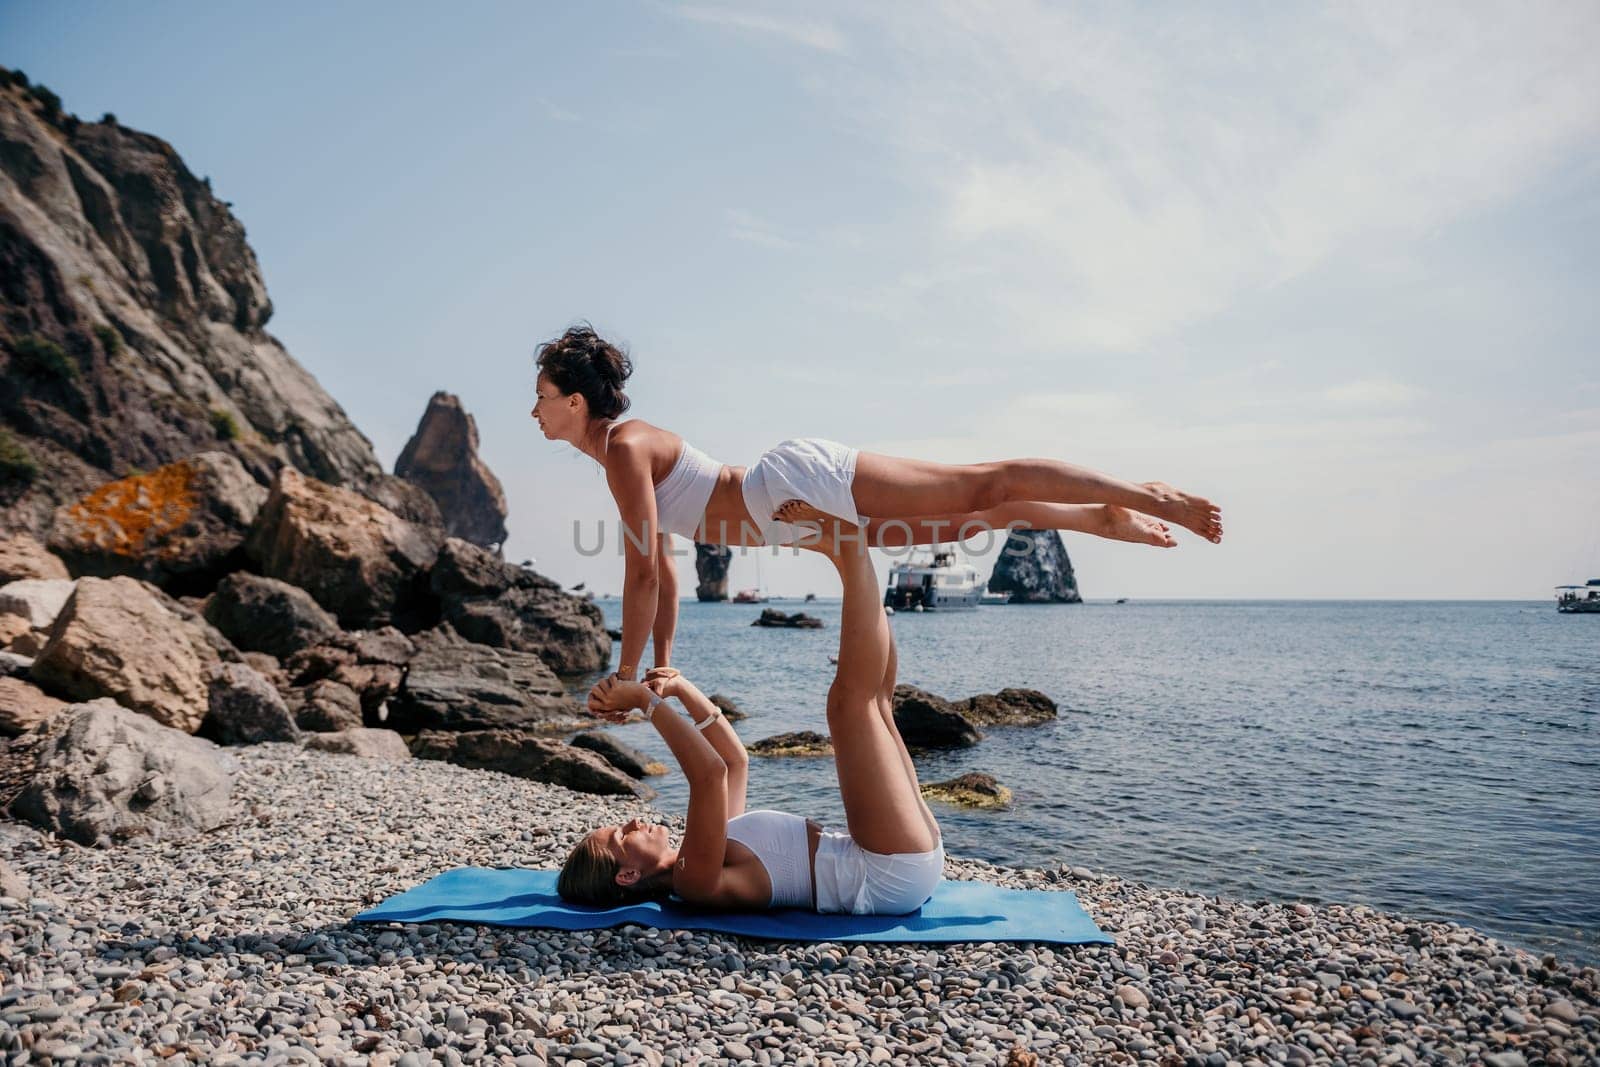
(851, 879)
(812, 469)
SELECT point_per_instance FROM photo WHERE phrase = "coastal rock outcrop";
(711, 564)
(455, 684)
(495, 603)
(442, 458)
(527, 755)
(132, 323)
(974, 790)
(928, 721)
(181, 526)
(118, 638)
(1034, 568)
(265, 615)
(360, 561)
(799, 620)
(798, 743)
(624, 758)
(104, 774)
(328, 706)
(1009, 707)
(729, 708)
(23, 556)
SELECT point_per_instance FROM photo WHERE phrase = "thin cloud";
(749, 227)
(555, 112)
(810, 33)
(1374, 393)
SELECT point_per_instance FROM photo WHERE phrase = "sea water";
(1440, 759)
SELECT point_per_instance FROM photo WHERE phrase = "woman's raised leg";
(883, 807)
(890, 487)
(1102, 520)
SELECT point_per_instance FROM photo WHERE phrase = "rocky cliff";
(1034, 569)
(442, 458)
(133, 326)
(711, 564)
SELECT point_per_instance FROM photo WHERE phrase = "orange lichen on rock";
(124, 517)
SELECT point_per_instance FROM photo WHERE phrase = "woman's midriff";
(728, 521)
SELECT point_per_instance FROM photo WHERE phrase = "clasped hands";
(613, 698)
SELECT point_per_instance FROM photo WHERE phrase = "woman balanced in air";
(663, 485)
(887, 864)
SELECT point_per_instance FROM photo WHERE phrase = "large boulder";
(974, 790)
(24, 705)
(384, 745)
(799, 620)
(37, 601)
(361, 561)
(524, 754)
(442, 458)
(181, 526)
(23, 556)
(265, 615)
(799, 743)
(492, 602)
(245, 708)
(105, 773)
(1034, 568)
(711, 563)
(623, 757)
(455, 684)
(119, 638)
(928, 721)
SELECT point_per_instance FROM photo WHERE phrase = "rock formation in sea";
(133, 326)
(711, 563)
(442, 457)
(1034, 568)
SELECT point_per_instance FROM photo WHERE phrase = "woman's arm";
(666, 624)
(628, 475)
(698, 875)
(721, 734)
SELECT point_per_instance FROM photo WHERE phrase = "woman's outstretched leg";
(889, 487)
(883, 807)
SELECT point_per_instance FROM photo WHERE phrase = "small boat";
(749, 596)
(1579, 599)
(810, 597)
(1122, 600)
(940, 584)
(994, 598)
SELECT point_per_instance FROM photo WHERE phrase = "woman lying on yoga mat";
(663, 485)
(887, 864)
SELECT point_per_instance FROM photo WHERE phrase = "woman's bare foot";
(823, 532)
(1193, 513)
(1124, 525)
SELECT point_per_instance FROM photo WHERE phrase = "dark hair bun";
(581, 361)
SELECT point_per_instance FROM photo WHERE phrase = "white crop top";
(682, 496)
(780, 842)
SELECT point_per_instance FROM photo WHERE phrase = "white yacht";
(1579, 599)
(939, 584)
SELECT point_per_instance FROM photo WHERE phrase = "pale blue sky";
(1334, 268)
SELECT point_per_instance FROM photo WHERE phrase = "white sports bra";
(682, 496)
(780, 842)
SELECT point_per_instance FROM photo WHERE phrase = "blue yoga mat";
(958, 911)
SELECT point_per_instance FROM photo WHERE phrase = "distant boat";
(810, 597)
(749, 596)
(1579, 599)
(1122, 600)
(941, 584)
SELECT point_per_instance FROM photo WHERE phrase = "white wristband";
(716, 713)
(650, 709)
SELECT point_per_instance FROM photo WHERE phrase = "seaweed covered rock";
(975, 790)
(181, 526)
(798, 743)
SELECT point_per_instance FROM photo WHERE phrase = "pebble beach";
(238, 947)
